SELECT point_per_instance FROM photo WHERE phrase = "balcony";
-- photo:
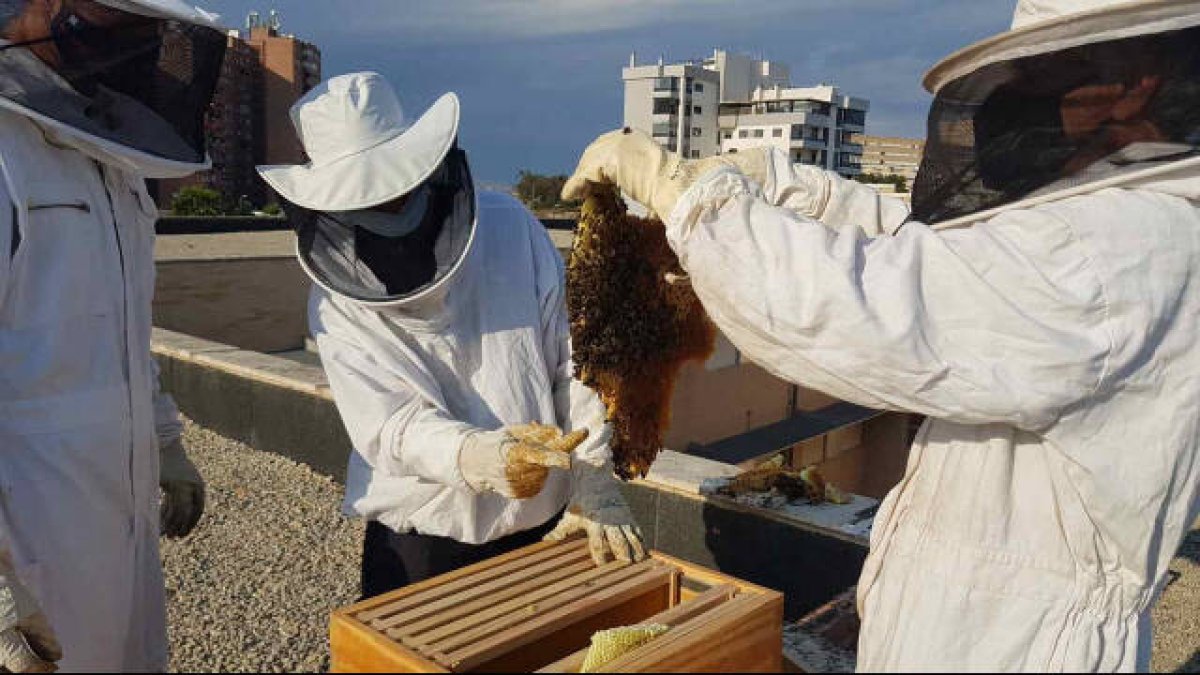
(809, 143)
(665, 130)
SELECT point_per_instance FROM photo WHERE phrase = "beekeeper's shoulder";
(498, 210)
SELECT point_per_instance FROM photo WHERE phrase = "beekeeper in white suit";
(1039, 305)
(95, 96)
(440, 318)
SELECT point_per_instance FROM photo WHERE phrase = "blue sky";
(540, 78)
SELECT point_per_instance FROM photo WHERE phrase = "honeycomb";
(631, 330)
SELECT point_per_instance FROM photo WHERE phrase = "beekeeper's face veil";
(1073, 83)
(385, 211)
(134, 76)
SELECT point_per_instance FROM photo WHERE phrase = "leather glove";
(183, 491)
(27, 643)
(516, 461)
(648, 173)
(598, 508)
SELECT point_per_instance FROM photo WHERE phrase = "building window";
(665, 106)
(696, 110)
(777, 133)
(666, 84)
(743, 134)
(728, 135)
(695, 131)
(695, 154)
(698, 88)
(758, 133)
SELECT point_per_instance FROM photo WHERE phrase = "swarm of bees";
(632, 330)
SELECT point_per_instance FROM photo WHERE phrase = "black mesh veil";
(1009, 129)
(348, 259)
(141, 82)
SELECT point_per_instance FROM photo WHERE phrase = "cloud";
(495, 20)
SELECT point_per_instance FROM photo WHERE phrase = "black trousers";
(392, 560)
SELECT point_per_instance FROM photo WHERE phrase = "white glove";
(516, 461)
(598, 508)
(183, 491)
(27, 643)
(650, 175)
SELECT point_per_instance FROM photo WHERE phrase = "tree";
(542, 192)
(272, 209)
(197, 201)
(883, 179)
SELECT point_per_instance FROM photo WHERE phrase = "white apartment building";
(730, 102)
(891, 155)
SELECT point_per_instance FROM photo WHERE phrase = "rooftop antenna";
(632, 59)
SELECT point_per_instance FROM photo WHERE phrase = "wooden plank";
(490, 608)
(356, 648)
(708, 577)
(395, 625)
(744, 634)
(671, 617)
(564, 640)
(425, 591)
(522, 611)
(535, 629)
(471, 609)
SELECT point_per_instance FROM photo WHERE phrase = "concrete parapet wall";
(277, 405)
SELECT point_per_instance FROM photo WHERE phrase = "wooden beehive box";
(535, 610)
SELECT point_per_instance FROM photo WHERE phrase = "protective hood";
(1012, 130)
(134, 93)
(383, 259)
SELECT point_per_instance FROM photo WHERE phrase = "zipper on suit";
(78, 206)
(127, 367)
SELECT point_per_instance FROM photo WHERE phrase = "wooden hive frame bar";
(672, 617)
(541, 604)
(501, 569)
(472, 649)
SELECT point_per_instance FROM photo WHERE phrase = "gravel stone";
(1177, 615)
(252, 587)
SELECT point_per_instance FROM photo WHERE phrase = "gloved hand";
(648, 173)
(183, 491)
(516, 461)
(27, 643)
(598, 508)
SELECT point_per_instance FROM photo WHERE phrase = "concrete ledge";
(279, 405)
(268, 402)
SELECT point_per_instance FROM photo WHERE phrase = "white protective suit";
(1054, 349)
(489, 350)
(81, 416)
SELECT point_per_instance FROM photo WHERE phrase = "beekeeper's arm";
(395, 422)
(1002, 322)
(597, 506)
(836, 202)
(27, 642)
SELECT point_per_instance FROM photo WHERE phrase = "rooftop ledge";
(688, 475)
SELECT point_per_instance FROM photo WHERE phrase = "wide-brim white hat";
(167, 9)
(1045, 26)
(363, 151)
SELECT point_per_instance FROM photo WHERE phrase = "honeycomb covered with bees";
(632, 329)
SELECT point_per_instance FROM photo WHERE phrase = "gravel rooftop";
(252, 588)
